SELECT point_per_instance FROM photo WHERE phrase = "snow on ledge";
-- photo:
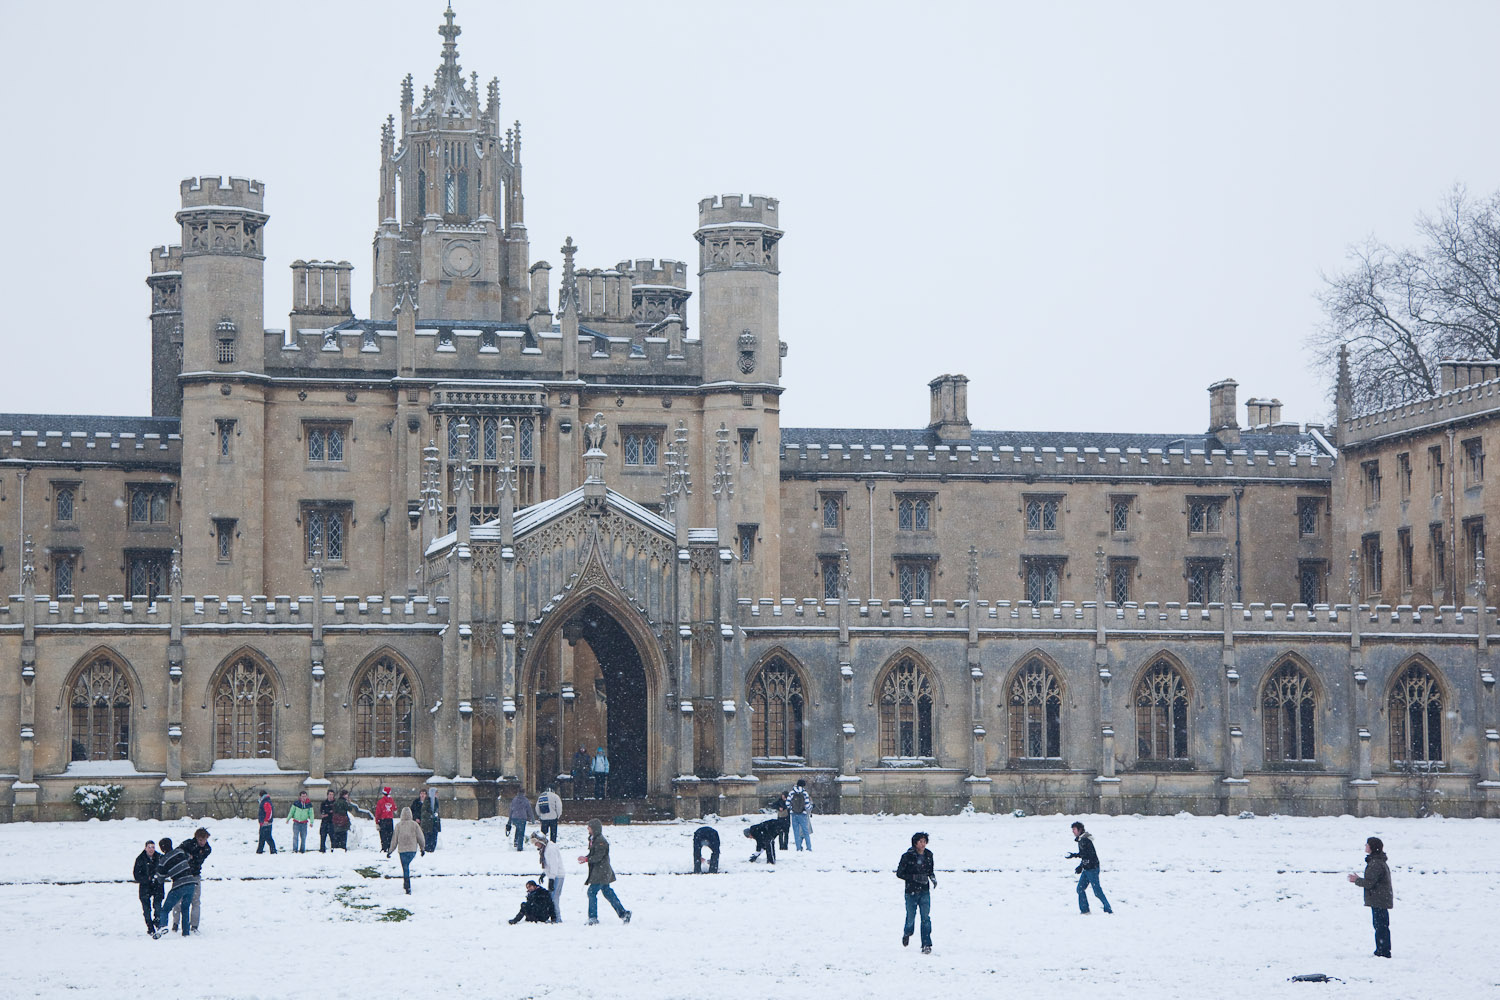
(388, 765)
(100, 769)
(248, 765)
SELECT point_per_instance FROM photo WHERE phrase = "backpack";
(798, 800)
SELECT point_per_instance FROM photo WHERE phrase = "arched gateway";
(585, 621)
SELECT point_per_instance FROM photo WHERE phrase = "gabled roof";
(538, 514)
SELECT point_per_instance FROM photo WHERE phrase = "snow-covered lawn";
(1205, 907)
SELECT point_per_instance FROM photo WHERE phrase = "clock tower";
(451, 224)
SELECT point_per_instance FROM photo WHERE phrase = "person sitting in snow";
(764, 835)
(538, 908)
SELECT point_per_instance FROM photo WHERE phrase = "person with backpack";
(549, 809)
(916, 870)
(1380, 896)
(266, 813)
(148, 888)
(178, 866)
(1087, 870)
(300, 815)
(799, 805)
(520, 814)
(600, 770)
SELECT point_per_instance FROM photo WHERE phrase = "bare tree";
(1401, 311)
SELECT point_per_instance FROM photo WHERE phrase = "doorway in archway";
(610, 709)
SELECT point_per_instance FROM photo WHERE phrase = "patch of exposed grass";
(368, 871)
(396, 914)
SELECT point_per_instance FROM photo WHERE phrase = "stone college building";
(518, 508)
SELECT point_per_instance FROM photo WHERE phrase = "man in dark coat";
(537, 909)
(916, 870)
(177, 866)
(1380, 896)
(198, 849)
(705, 836)
(149, 889)
(581, 762)
(1087, 870)
(764, 835)
(325, 825)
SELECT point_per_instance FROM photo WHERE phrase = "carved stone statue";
(593, 434)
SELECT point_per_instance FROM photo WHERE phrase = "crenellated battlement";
(671, 273)
(731, 209)
(93, 611)
(1461, 402)
(1113, 463)
(81, 445)
(166, 259)
(239, 192)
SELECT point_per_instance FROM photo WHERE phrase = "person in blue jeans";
(408, 841)
(916, 870)
(600, 874)
(1087, 870)
(178, 866)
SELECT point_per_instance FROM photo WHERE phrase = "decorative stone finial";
(463, 476)
(1227, 578)
(567, 292)
(973, 569)
(28, 564)
(507, 479)
(1101, 578)
(1479, 583)
(723, 480)
(1354, 578)
(843, 571)
(593, 454)
(431, 495)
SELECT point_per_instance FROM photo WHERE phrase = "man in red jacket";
(267, 816)
(385, 818)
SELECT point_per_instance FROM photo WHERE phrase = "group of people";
(335, 812)
(586, 766)
(547, 812)
(793, 820)
(543, 903)
(182, 865)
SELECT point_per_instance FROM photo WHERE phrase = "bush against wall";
(98, 801)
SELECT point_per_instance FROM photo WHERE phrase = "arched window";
(244, 712)
(383, 712)
(1035, 714)
(450, 190)
(1416, 718)
(1287, 708)
(906, 712)
(1161, 714)
(776, 702)
(100, 711)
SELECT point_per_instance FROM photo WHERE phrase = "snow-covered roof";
(538, 514)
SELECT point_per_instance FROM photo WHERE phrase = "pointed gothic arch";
(1034, 695)
(1162, 701)
(906, 696)
(242, 694)
(384, 692)
(1290, 695)
(100, 694)
(1415, 702)
(776, 693)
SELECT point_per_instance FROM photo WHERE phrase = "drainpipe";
(1239, 575)
(20, 568)
(1454, 588)
(870, 485)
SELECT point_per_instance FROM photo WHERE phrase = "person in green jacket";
(299, 815)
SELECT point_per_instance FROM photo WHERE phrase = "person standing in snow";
(325, 824)
(385, 818)
(552, 870)
(1087, 870)
(705, 836)
(432, 822)
(299, 815)
(581, 761)
(600, 874)
(520, 813)
(799, 804)
(342, 807)
(198, 850)
(783, 820)
(600, 769)
(178, 866)
(266, 813)
(916, 870)
(148, 889)
(1380, 896)
(537, 908)
(549, 809)
(407, 840)
(764, 835)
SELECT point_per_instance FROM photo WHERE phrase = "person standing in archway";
(581, 762)
(600, 769)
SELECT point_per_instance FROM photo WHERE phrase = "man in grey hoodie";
(1380, 897)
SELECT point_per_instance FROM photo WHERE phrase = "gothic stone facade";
(492, 522)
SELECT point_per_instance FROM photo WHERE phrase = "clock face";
(459, 259)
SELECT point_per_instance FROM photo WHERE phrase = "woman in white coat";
(552, 870)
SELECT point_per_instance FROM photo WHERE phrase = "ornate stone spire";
(973, 570)
(723, 481)
(28, 565)
(1353, 578)
(1227, 597)
(567, 294)
(450, 32)
(507, 479)
(431, 495)
(682, 479)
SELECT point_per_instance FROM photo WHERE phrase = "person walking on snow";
(600, 874)
(705, 836)
(178, 866)
(799, 804)
(549, 809)
(407, 841)
(764, 835)
(520, 813)
(299, 815)
(198, 850)
(1087, 870)
(552, 871)
(600, 769)
(916, 870)
(385, 818)
(1380, 896)
(148, 889)
(267, 816)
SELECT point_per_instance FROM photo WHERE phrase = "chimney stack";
(1262, 412)
(950, 407)
(1221, 420)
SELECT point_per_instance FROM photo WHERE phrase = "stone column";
(979, 784)
(26, 793)
(173, 788)
(1106, 785)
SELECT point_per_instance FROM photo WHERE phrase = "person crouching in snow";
(537, 908)
(705, 836)
(407, 840)
(916, 870)
(1087, 870)
(764, 835)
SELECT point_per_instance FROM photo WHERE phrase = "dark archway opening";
(620, 684)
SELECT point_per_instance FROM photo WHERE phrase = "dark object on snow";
(1314, 977)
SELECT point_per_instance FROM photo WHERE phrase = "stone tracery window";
(1288, 707)
(1416, 710)
(1035, 714)
(776, 705)
(100, 699)
(1161, 714)
(383, 712)
(906, 702)
(244, 712)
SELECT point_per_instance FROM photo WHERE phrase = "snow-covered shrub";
(98, 801)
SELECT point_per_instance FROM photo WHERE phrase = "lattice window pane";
(62, 575)
(140, 506)
(1121, 575)
(526, 439)
(831, 511)
(335, 444)
(333, 531)
(1120, 516)
(65, 504)
(904, 515)
(830, 571)
(491, 439)
(632, 449)
(1049, 515)
(921, 515)
(648, 449)
(316, 452)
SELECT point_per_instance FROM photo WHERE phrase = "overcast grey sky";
(1092, 210)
